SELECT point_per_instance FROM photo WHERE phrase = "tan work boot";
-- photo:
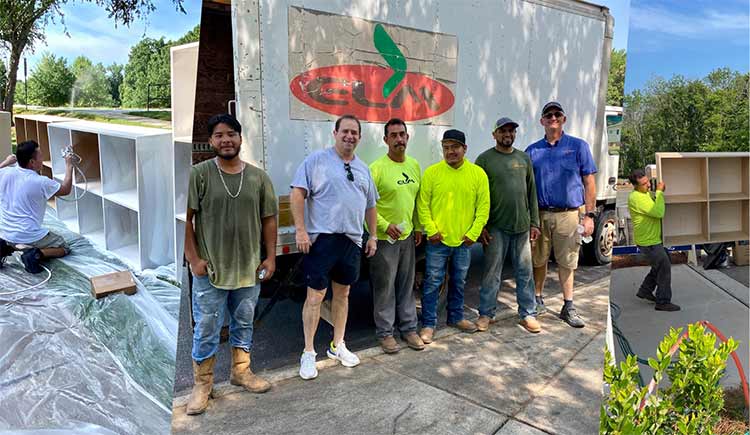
(426, 334)
(243, 376)
(413, 340)
(464, 326)
(531, 324)
(389, 345)
(203, 382)
(483, 323)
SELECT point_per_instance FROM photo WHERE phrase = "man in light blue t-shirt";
(332, 195)
(23, 196)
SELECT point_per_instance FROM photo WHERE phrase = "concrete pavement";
(504, 381)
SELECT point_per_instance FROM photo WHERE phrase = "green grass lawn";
(163, 115)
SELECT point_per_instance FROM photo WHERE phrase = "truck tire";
(599, 251)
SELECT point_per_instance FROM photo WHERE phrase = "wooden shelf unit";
(126, 188)
(707, 197)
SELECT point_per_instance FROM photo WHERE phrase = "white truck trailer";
(437, 64)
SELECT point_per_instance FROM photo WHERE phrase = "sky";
(689, 38)
(94, 35)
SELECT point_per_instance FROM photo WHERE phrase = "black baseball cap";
(552, 105)
(455, 135)
(505, 121)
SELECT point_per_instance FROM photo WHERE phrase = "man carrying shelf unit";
(23, 196)
(647, 214)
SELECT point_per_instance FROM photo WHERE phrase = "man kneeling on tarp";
(23, 200)
(234, 206)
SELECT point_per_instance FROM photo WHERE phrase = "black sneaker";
(667, 307)
(30, 260)
(647, 296)
(5, 250)
(571, 317)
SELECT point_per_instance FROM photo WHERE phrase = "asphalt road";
(278, 341)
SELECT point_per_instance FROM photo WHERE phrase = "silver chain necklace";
(242, 177)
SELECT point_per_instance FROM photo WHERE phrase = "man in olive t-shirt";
(514, 220)
(232, 203)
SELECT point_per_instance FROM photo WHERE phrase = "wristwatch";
(374, 238)
(591, 214)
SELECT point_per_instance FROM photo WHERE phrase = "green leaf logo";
(393, 57)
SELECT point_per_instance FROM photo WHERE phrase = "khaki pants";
(559, 233)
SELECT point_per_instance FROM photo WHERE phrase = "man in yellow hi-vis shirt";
(397, 178)
(453, 207)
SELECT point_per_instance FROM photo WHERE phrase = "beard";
(230, 155)
(503, 144)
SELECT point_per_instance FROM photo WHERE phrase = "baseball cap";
(504, 121)
(550, 105)
(455, 135)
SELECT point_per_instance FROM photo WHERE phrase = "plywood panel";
(43, 140)
(31, 130)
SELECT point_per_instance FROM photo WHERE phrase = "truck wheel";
(599, 251)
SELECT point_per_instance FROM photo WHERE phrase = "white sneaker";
(342, 354)
(307, 369)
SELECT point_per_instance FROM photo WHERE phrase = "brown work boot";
(464, 325)
(426, 335)
(243, 376)
(413, 340)
(483, 323)
(531, 324)
(203, 382)
(389, 345)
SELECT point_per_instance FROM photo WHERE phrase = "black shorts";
(333, 254)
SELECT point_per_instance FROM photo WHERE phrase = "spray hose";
(653, 384)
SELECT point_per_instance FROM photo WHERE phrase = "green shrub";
(690, 405)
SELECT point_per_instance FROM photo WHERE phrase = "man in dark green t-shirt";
(513, 222)
(231, 203)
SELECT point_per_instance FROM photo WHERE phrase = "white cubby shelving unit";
(184, 71)
(34, 127)
(707, 197)
(126, 187)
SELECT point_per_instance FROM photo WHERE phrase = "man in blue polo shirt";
(564, 172)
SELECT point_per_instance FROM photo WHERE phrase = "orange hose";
(653, 385)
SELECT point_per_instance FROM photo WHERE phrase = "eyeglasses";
(349, 174)
(549, 115)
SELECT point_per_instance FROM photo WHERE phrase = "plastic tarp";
(71, 363)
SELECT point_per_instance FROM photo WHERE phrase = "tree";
(22, 25)
(616, 81)
(114, 77)
(147, 72)
(3, 80)
(91, 87)
(51, 82)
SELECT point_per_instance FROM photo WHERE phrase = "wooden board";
(105, 285)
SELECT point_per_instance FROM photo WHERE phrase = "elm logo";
(374, 93)
(406, 180)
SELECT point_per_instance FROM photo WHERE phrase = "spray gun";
(68, 151)
(76, 160)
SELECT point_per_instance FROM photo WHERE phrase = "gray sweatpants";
(660, 275)
(392, 277)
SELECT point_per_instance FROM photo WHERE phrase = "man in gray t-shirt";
(332, 195)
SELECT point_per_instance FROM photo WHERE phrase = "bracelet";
(374, 238)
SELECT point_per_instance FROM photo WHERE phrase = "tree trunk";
(15, 59)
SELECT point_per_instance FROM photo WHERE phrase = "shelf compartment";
(728, 178)
(86, 145)
(680, 199)
(119, 172)
(121, 232)
(182, 163)
(729, 221)
(685, 223)
(20, 129)
(91, 218)
(684, 176)
(59, 138)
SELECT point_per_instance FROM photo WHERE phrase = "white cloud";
(702, 24)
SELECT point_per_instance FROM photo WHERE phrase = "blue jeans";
(438, 256)
(210, 306)
(494, 256)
